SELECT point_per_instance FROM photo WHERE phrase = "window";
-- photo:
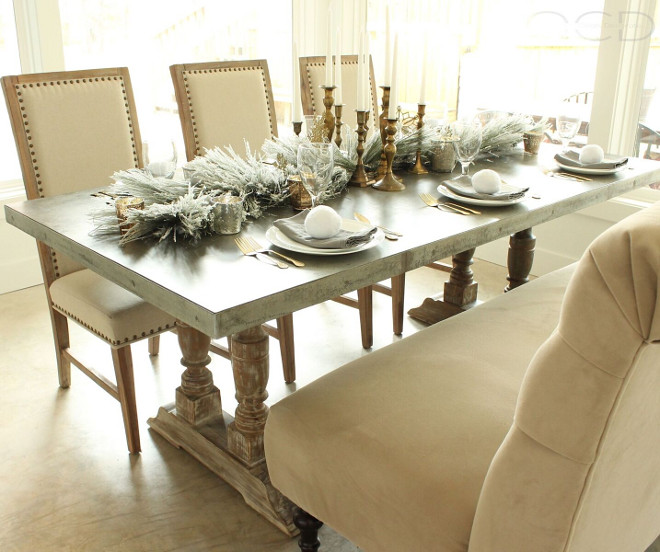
(9, 65)
(151, 35)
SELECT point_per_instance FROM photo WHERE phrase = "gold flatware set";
(251, 247)
(448, 206)
(389, 234)
(566, 176)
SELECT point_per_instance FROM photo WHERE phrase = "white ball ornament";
(591, 153)
(486, 181)
(322, 222)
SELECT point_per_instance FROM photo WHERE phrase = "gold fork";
(459, 209)
(246, 249)
(257, 247)
(389, 234)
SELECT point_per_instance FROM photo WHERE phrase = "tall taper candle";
(338, 92)
(388, 51)
(297, 105)
(394, 89)
(328, 52)
(366, 75)
(360, 69)
(425, 58)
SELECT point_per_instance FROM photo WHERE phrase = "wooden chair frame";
(284, 329)
(123, 390)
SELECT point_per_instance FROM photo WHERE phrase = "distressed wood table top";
(212, 287)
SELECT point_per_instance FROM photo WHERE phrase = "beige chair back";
(73, 130)
(579, 469)
(224, 103)
(312, 76)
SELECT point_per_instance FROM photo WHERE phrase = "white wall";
(19, 262)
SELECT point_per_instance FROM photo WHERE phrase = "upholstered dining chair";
(73, 130)
(544, 436)
(312, 75)
(226, 103)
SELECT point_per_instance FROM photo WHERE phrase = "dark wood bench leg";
(309, 530)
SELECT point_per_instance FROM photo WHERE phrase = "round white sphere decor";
(486, 181)
(591, 153)
(322, 222)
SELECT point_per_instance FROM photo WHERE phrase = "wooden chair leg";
(398, 291)
(287, 350)
(365, 305)
(154, 345)
(61, 337)
(309, 530)
(123, 363)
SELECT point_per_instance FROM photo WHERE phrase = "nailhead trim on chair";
(28, 132)
(125, 341)
(198, 149)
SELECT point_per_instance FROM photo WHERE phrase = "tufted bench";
(412, 447)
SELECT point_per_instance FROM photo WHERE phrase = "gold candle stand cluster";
(338, 109)
(359, 177)
(418, 167)
(382, 125)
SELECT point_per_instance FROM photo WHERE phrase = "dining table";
(213, 290)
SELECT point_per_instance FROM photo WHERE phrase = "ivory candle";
(422, 89)
(360, 76)
(297, 105)
(328, 53)
(338, 93)
(388, 51)
(391, 114)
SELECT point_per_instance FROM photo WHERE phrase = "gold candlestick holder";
(338, 109)
(359, 177)
(328, 118)
(418, 167)
(297, 127)
(389, 182)
(382, 120)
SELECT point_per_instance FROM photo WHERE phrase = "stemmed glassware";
(568, 123)
(469, 136)
(315, 163)
(159, 157)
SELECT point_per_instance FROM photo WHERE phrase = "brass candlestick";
(338, 109)
(389, 182)
(359, 177)
(382, 167)
(297, 127)
(418, 168)
(328, 118)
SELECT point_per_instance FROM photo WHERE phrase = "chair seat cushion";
(111, 312)
(392, 449)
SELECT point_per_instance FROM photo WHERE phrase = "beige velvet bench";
(412, 447)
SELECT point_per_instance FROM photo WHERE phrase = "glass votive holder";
(532, 142)
(122, 206)
(191, 175)
(444, 157)
(227, 214)
(300, 198)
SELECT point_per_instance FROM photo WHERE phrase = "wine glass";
(159, 157)
(467, 144)
(315, 164)
(568, 123)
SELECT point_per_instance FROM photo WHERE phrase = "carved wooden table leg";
(245, 435)
(460, 292)
(197, 400)
(520, 258)
(231, 448)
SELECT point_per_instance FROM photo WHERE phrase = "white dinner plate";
(587, 170)
(275, 236)
(474, 201)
